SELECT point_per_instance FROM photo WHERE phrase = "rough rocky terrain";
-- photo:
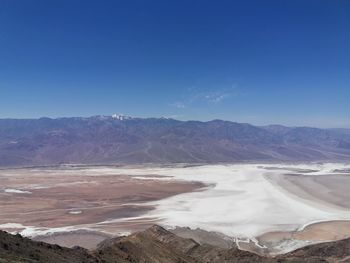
(157, 245)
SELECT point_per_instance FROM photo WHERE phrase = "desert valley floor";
(273, 207)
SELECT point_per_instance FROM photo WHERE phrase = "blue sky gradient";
(260, 62)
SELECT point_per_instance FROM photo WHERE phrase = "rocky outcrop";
(157, 245)
(15, 248)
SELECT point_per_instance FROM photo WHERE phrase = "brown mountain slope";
(105, 140)
(338, 251)
(157, 245)
(15, 248)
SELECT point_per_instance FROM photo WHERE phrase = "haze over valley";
(175, 131)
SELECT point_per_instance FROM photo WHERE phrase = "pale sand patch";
(324, 231)
(330, 189)
(283, 242)
(76, 212)
(241, 200)
(16, 191)
(326, 189)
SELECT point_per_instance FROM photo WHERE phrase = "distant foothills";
(120, 139)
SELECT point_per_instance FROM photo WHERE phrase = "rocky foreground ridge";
(157, 245)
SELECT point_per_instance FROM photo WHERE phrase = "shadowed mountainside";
(106, 140)
(157, 245)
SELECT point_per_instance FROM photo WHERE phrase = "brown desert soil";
(62, 199)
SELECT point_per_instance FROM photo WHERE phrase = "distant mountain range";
(126, 140)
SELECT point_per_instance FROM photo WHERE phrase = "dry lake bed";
(273, 207)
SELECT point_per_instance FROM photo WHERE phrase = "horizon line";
(128, 117)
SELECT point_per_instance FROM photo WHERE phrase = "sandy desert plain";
(265, 208)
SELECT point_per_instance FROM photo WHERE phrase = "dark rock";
(157, 245)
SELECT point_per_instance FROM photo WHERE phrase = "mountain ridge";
(126, 140)
(155, 245)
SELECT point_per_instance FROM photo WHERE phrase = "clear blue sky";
(260, 62)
